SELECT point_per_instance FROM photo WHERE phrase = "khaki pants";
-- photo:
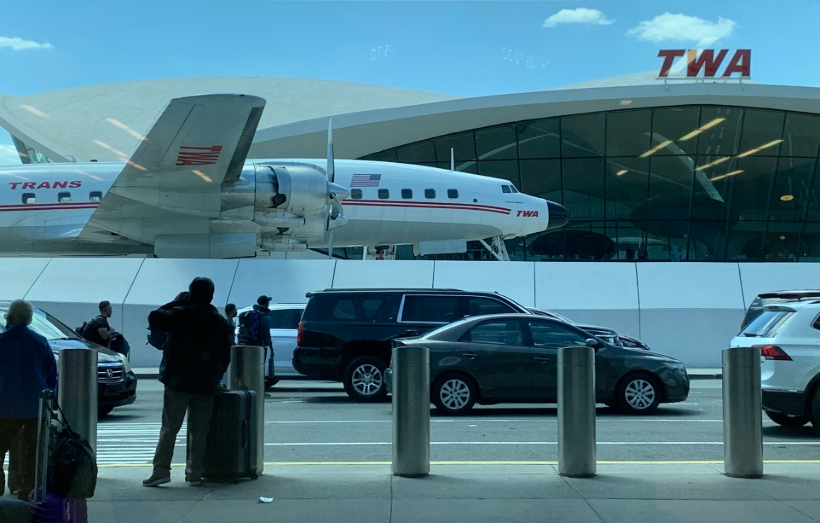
(174, 406)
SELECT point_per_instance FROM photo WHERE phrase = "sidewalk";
(469, 493)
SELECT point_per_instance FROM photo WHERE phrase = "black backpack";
(73, 465)
(249, 324)
(157, 337)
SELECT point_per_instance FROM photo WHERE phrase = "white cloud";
(9, 155)
(18, 44)
(582, 15)
(681, 27)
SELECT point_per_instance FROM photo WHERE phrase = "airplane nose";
(558, 215)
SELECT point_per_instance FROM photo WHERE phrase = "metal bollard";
(411, 411)
(77, 391)
(742, 413)
(576, 412)
(247, 372)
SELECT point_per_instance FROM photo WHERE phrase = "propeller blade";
(331, 166)
(339, 192)
(336, 209)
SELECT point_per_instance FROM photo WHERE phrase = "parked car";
(346, 334)
(513, 358)
(284, 324)
(788, 336)
(116, 382)
(774, 298)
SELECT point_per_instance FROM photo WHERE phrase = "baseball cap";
(263, 300)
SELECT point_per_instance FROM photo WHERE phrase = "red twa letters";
(46, 185)
(707, 62)
(528, 214)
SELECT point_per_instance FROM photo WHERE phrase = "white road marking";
(370, 443)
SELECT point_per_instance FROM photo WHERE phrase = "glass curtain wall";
(686, 183)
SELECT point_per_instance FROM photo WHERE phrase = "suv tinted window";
(500, 332)
(285, 318)
(477, 306)
(554, 334)
(768, 324)
(438, 309)
(345, 307)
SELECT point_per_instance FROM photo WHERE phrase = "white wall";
(686, 310)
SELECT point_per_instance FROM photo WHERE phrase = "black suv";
(346, 334)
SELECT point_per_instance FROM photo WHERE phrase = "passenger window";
(345, 310)
(94, 196)
(356, 194)
(477, 306)
(407, 194)
(429, 193)
(507, 332)
(285, 318)
(28, 197)
(552, 334)
(433, 309)
(384, 194)
(452, 193)
(505, 188)
(816, 324)
(64, 197)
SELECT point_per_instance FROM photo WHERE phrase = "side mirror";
(595, 344)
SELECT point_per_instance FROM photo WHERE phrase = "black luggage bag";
(231, 448)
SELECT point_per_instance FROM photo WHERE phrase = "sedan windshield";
(44, 324)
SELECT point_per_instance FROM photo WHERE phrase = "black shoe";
(155, 480)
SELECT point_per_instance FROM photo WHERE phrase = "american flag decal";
(365, 180)
(198, 155)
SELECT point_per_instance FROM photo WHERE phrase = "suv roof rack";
(795, 295)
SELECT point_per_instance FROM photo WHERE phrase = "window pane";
(749, 188)
(429, 193)
(356, 194)
(281, 319)
(627, 183)
(745, 241)
(384, 194)
(95, 196)
(676, 123)
(542, 178)
(496, 143)
(505, 169)
(437, 309)
(417, 152)
(789, 198)
(553, 334)
(384, 156)
(452, 193)
(583, 135)
(463, 146)
(781, 241)
(802, 135)
(477, 306)
(670, 187)
(627, 132)
(810, 243)
(407, 194)
(496, 333)
(64, 197)
(28, 197)
(345, 310)
(723, 138)
(539, 139)
(584, 188)
(761, 128)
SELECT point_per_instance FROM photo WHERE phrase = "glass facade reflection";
(686, 183)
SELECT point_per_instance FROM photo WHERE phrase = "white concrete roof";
(366, 118)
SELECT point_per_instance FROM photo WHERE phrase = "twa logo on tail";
(528, 214)
(198, 155)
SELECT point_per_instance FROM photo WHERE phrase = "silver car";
(284, 323)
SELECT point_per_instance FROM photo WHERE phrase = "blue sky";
(465, 48)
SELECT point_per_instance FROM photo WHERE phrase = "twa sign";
(708, 63)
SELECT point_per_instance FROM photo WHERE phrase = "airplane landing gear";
(497, 249)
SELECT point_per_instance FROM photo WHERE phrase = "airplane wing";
(176, 173)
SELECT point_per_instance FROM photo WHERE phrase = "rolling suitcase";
(47, 507)
(231, 449)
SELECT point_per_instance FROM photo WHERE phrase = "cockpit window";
(513, 188)
(506, 188)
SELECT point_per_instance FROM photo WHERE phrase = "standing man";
(27, 366)
(98, 330)
(195, 357)
(230, 313)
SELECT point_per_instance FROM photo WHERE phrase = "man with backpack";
(254, 326)
(195, 355)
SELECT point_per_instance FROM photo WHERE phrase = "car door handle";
(470, 355)
(542, 358)
(412, 332)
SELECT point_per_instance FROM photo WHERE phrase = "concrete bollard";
(77, 392)
(411, 411)
(742, 413)
(576, 412)
(247, 372)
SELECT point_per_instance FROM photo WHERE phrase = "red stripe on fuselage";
(427, 205)
(48, 206)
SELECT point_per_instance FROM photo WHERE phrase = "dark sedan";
(513, 358)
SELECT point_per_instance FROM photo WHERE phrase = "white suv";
(788, 336)
(284, 321)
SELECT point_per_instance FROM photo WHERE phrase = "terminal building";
(719, 174)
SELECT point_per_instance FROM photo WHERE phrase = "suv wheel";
(638, 394)
(364, 379)
(785, 420)
(814, 409)
(454, 394)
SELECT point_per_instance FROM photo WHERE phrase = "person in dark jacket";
(261, 307)
(196, 355)
(27, 366)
